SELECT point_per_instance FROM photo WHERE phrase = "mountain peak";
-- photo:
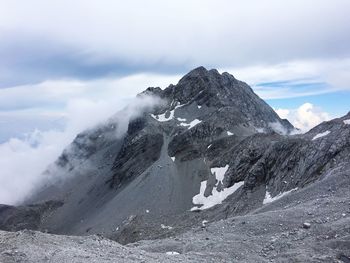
(218, 92)
(196, 81)
(202, 73)
(200, 80)
(198, 70)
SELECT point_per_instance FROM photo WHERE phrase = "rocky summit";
(207, 173)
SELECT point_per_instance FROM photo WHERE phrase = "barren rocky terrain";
(210, 174)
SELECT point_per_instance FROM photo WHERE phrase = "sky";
(66, 65)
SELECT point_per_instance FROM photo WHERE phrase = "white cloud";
(304, 77)
(224, 32)
(61, 91)
(22, 161)
(175, 36)
(305, 117)
(47, 104)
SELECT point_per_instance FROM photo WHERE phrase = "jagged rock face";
(135, 157)
(289, 162)
(212, 143)
(223, 98)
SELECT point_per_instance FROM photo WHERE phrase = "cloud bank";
(43, 40)
(305, 117)
(23, 161)
(44, 106)
(297, 78)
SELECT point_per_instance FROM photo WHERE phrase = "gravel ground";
(308, 225)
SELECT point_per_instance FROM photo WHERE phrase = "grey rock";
(306, 225)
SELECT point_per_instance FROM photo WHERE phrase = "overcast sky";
(85, 39)
(63, 61)
(276, 46)
(283, 48)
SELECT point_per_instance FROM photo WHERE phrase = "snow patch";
(147, 211)
(172, 253)
(320, 135)
(219, 172)
(166, 227)
(194, 123)
(260, 130)
(346, 121)
(269, 198)
(180, 119)
(204, 223)
(173, 158)
(215, 198)
(209, 146)
(199, 106)
(162, 118)
(191, 124)
(229, 133)
(178, 106)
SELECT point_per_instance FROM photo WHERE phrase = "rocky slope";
(213, 151)
(315, 229)
(160, 161)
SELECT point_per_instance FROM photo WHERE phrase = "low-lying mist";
(23, 161)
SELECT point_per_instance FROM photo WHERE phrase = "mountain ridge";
(211, 150)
